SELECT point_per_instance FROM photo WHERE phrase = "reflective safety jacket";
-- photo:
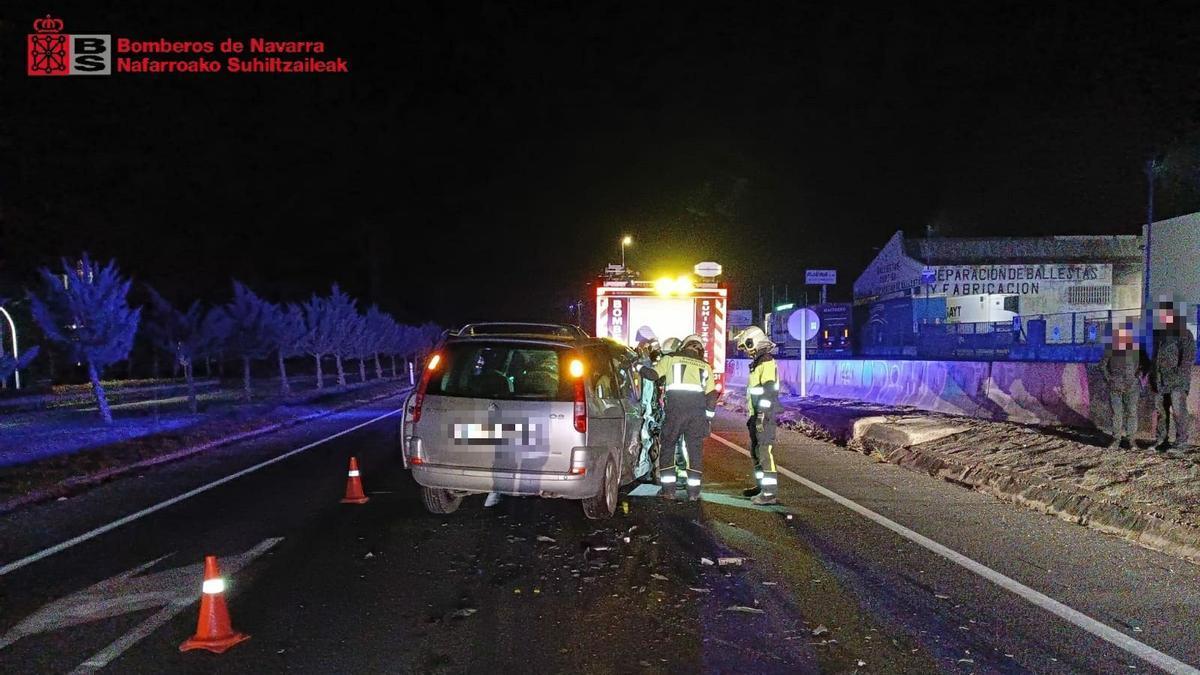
(762, 388)
(685, 378)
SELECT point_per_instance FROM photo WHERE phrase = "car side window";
(602, 380)
(630, 387)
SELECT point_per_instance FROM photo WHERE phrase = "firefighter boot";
(757, 489)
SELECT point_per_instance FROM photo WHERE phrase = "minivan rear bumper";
(526, 483)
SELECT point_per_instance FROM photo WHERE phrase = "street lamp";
(12, 327)
(625, 241)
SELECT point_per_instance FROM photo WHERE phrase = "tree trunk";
(220, 366)
(207, 367)
(393, 366)
(362, 370)
(285, 387)
(175, 369)
(191, 388)
(320, 377)
(378, 368)
(340, 371)
(246, 390)
(98, 392)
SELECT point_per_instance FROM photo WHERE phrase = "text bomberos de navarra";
(256, 55)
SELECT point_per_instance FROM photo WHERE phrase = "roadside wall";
(1040, 393)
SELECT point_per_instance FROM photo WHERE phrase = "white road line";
(1100, 630)
(91, 534)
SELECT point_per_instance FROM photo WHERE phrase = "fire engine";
(629, 309)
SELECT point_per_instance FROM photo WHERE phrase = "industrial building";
(1029, 290)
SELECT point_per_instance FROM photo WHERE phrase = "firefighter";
(671, 346)
(762, 397)
(691, 398)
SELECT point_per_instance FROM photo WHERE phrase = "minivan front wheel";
(440, 501)
(604, 504)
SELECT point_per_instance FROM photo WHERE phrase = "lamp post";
(625, 241)
(12, 328)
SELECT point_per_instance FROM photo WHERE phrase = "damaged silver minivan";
(524, 409)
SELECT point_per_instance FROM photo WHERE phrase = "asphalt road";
(532, 585)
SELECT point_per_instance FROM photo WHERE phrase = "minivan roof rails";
(559, 330)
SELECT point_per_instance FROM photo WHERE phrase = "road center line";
(1100, 630)
(91, 534)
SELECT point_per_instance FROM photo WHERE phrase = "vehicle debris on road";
(744, 609)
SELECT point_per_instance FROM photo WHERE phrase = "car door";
(606, 414)
(630, 385)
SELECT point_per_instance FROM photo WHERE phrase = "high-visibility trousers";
(762, 428)
(692, 426)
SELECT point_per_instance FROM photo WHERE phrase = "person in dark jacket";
(1121, 367)
(1174, 356)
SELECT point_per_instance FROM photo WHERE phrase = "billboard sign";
(820, 277)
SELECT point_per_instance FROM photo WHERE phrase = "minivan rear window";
(503, 371)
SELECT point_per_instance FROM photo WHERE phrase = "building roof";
(999, 250)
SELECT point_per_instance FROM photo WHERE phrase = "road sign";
(928, 276)
(741, 318)
(820, 277)
(803, 324)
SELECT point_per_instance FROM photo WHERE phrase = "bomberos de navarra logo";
(50, 51)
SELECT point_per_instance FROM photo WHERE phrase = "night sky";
(481, 161)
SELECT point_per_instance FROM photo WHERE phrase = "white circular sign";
(707, 269)
(803, 324)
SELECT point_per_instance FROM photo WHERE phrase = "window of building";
(1089, 295)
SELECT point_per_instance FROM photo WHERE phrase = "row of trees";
(85, 309)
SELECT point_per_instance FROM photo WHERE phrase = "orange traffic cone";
(213, 630)
(354, 491)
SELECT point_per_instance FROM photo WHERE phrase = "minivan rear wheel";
(440, 501)
(604, 503)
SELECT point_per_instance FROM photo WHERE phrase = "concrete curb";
(1156, 527)
(73, 484)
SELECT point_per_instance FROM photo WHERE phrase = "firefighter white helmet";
(694, 342)
(753, 341)
(649, 348)
(670, 345)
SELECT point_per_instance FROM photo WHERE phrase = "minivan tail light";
(580, 408)
(433, 364)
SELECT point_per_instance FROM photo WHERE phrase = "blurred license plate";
(521, 433)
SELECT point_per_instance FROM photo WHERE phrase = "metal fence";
(1067, 336)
